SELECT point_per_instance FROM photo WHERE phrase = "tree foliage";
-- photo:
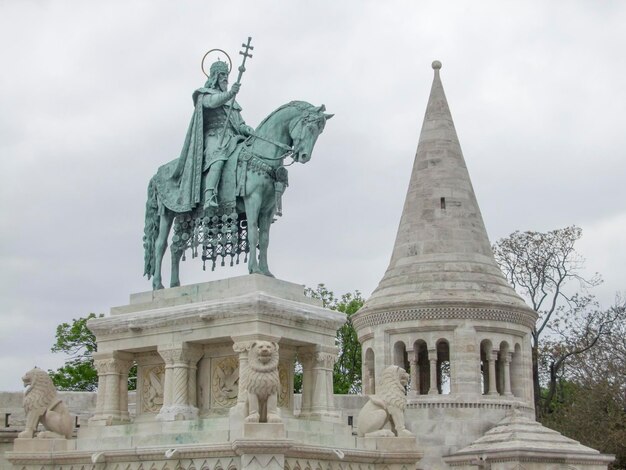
(572, 337)
(589, 404)
(347, 372)
(79, 343)
(548, 272)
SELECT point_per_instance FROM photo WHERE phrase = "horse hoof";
(267, 273)
(158, 286)
(175, 284)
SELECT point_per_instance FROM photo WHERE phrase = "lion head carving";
(263, 368)
(42, 404)
(263, 356)
(40, 391)
(383, 414)
(262, 382)
(392, 386)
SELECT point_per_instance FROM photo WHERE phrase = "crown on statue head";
(219, 66)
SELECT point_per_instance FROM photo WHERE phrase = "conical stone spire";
(442, 253)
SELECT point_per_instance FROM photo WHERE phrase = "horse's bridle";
(288, 150)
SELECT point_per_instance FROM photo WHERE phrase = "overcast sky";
(94, 96)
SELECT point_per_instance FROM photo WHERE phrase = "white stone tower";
(444, 310)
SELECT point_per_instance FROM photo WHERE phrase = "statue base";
(389, 444)
(263, 431)
(194, 347)
(43, 444)
(177, 413)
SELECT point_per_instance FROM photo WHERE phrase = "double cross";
(242, 68)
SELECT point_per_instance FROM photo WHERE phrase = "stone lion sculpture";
(383, 414)
(263, 383)
(42, 405)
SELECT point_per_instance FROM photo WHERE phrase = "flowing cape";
(179, 182)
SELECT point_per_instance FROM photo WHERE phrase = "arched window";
(422, 374)
(400, 357)
(486, 349)
(443, 367)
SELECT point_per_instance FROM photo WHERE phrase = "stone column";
(112, 400)
(323, 399)
(432, 358)
(414, 377)
(99, 365)
(180, 363)
(285, 373)
(124, 368)
(242, 348)
(507, 374)
(192, 388)
(308, 385)
(493, 356)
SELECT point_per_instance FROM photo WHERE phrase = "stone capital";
(325, 360)
(324, 357)
(116, 362)
(183, 353)
(242, 346)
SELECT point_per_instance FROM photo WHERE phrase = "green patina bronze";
(222, 193)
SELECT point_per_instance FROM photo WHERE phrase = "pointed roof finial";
(442, 253)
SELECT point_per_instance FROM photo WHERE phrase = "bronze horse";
(291, 130)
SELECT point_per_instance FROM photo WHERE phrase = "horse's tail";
(151, 228)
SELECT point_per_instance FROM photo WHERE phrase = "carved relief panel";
(224, 381)
(152, 380)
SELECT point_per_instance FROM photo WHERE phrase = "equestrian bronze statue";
(222, 194)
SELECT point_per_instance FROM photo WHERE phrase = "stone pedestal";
(264, 431)
(388, 444)
(42, 445)
(205, 331)
(192, 347)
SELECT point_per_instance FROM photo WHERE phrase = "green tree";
(584, 330)
(347, 371)
(546, 270)
(589, 404)
(79, 343)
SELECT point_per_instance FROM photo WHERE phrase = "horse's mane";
(300, 105)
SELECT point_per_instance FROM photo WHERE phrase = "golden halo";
(230, 62)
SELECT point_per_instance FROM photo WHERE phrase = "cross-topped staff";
(242, 68)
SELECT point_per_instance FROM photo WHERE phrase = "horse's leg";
(177, 254)
(165, 224)
(253, 207)
(265, 221)
(177, 249)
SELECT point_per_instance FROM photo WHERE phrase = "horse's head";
(305, 131)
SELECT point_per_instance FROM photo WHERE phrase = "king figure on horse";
(223, 191)
(212, 137)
